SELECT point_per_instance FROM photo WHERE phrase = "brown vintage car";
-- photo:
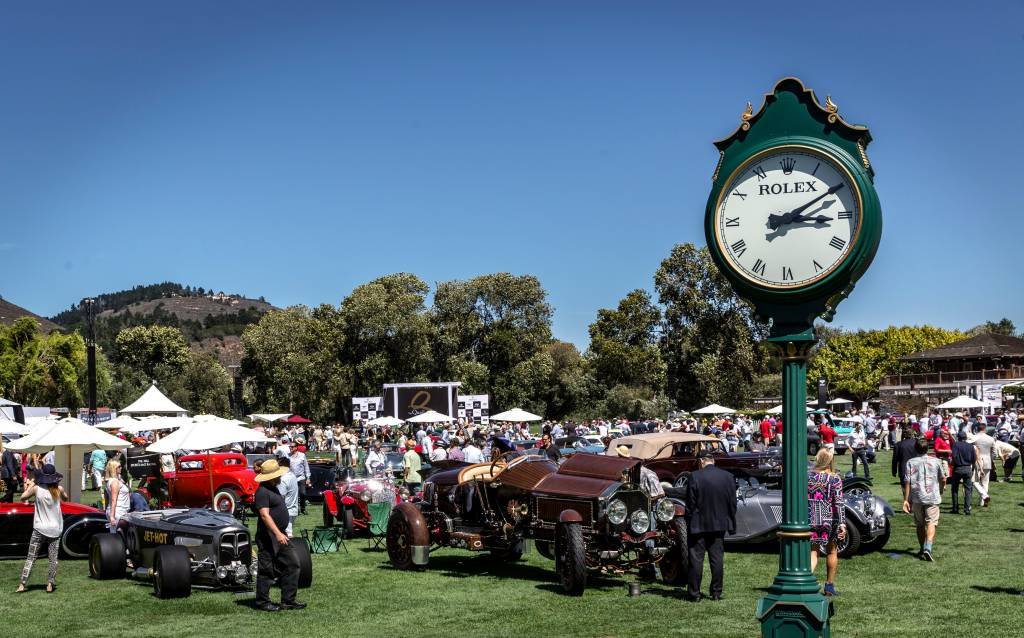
(673, 456)
(589, 513)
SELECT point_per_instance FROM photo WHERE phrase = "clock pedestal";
(794, 606)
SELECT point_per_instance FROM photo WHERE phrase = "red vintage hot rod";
(227, 482)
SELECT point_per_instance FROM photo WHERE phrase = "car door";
(15, 529)
(191, 485)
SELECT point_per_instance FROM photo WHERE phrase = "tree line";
(690, 343)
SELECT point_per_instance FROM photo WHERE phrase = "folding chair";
(379, 514)
(325, 539)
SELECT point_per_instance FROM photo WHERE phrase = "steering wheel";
(512, 461)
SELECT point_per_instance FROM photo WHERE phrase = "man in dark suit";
(903, 452)
(711, 513)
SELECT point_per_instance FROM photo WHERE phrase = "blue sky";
(298, 152)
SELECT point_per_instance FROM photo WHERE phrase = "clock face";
(788, 217)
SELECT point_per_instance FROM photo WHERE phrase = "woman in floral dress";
(825, 513)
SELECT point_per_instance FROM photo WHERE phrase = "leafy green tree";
(854, 363)
(156, 351)
(710, 340)
(1002, 327)
(624, 344)
(203, 387)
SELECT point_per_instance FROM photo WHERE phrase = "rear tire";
(851, 544)
(402, 535)
(348, 521)
(305, 562)
(172, 572)
(226, 500)
(107, 557)
(571, 562)
(674, 564)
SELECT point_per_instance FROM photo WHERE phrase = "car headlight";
(665, 510)
(640, 522)
(616, 512)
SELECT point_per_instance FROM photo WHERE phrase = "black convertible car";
(81, 523)
(759, 514)
(182, 548)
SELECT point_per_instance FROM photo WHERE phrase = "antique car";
(573, 444)
(347, 501)
(589, 513)
(228, 483)
(673, 455)
(81, 523)
(759, 514)
(179, 549)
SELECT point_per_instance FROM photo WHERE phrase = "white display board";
(475, 408)
(367, 408)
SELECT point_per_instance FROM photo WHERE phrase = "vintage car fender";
(570, 516)
(348, 500)
(419, 535)
(331, 502)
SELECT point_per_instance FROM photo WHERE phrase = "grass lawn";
(973, 589)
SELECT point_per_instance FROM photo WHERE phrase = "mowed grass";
(973, 589)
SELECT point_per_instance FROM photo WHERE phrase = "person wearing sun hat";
(47, 523)
(276, 554)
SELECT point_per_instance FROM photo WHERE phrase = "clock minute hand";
(774, 221)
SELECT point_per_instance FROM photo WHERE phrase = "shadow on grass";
(998, 590)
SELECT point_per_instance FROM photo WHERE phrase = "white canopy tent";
(213, 418)
(776, 410)
(714, 408)
(839, 401)
(267, 418)
(69, 439)
(153, 401)
(207, 435)
(430, 416)
(155, 422)
(962, 402)
(385, 421)
(516, 415)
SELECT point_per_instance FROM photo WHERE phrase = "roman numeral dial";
(788, 217)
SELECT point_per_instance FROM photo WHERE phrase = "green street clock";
(792, 222)
(793, 219)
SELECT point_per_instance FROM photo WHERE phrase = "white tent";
(69, 439)
(962, 402)
(153, 401)
(208, 435)
(386, 421)
(213, 418)
(839, 401)
(515, 415)
(156, 422)
(776, 410)
(714, 408)
(430, 416)
(122, 421)
(268, 418)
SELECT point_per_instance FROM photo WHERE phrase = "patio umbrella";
(839, 401)
(296, 419)
(714, 408)
(386, 421)
(430, 416)
(122, 421)
(776, 410)
(516, 415)
(207, 435)
(962, 402)
(153, 423)
(69, 439)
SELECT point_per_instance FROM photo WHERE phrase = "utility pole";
(90, 320)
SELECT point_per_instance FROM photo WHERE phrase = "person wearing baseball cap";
(276, 554)
(47, 523)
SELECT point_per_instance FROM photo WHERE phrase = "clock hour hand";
(774, 221)
(820, 219)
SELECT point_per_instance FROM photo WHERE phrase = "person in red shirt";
(778, 431)
(827, 434)
(766, 431)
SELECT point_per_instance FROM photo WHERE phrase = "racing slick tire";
(406, 529)
(571, 558)
(849, 545)
(305, 562)
(544, 549)
(674, 565)
(227, 500)
(172, 572)
(107, 557)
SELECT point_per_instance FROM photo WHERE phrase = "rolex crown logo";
(787, 165)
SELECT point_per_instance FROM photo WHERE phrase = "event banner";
(475, 408)
(415, 399)
(366, 408)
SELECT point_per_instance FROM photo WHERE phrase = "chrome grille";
(234, 546)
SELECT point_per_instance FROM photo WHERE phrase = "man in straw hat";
(276, 554)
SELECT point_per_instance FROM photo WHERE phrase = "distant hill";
(9, 313)
(211, 321)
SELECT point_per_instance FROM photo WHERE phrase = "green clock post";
(793, 221)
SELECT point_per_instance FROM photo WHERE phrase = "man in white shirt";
(376, 457)
(472, 453)
(289, 489)
(439, 453)
(984, 444)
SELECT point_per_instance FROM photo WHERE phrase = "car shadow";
(998, 590)
(473, 566)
